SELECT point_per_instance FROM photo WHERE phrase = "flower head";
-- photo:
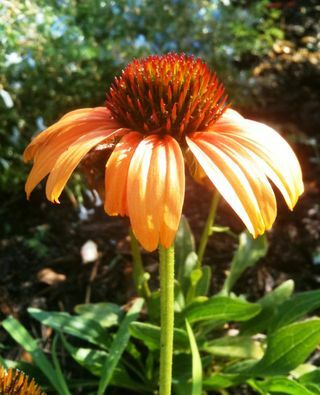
(161, 112)
(171, 94)
(16, 382)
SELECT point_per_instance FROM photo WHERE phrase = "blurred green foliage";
(57, 55)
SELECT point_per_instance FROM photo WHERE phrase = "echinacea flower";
(162, 112)
(17, 383)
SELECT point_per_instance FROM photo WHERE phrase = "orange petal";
(82, 120)
(229, 179)
(257, 179)
(270, 153)
(69, 160)
(155, 191)
(174, 195)
(116, 175)
(46, 157)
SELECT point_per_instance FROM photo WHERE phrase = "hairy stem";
(167, 317)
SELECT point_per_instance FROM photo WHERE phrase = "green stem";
(167, 317)
(207, 228)
(140, 277)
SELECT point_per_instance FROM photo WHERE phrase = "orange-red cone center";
(169, 94)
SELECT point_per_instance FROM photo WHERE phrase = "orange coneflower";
(15, 382)
(163, 111)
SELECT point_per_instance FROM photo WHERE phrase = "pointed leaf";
(269, 304)
(218, 381)
(221, 308)
(77, 326)
(184, 244)
(203, 285)
(281, 385)
(150, 335)
(248, 253)
(288, 347)
(297, 307)
(234, 347)
(196, 363)
(118, 345)
(106, 314)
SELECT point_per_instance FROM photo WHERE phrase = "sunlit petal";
(46, 157)
(155, 191)
(116, 175)
(270, 152)
(229, 179)
(174, 195)
(256, 177)
(78, 121)
(69, 160)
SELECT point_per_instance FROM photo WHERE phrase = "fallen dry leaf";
(50, 277)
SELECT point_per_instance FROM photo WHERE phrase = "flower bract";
(162, 113)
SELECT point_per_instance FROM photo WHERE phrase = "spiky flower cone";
(15, 382)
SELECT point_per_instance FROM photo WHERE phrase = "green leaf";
(203, 285)
(179, 300)
(220, 229)
(221, 380)
(57, 366)
(280, 385)
(182, 372)
(90, 359)
(302, 369)
(248, 253)
(190, 274)
(297, 307)
(288, 347)
(185, 256)
(196, 363)
(153, 304)
(184, 244)
(221, 308)
(118, 345)
(22, 337)
(106, 314)
(150, 335)
(193, 279)
(241, 367)
(234, 347)
(311, 380)
(93, 361)
(77, 326)
(269, 304)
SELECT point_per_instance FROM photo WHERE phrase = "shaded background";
(59, 55)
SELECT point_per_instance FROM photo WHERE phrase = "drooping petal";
(45, 159)
(116, 175)
(56, 139)
(228, 116)
(78, 121)
(155, 191)
(229, 179)
(258, 181)
(269, 152)
(70, 158)
(174, 196)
